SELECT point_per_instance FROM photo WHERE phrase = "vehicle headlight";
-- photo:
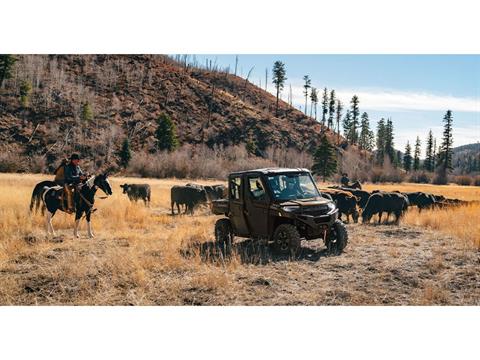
(331, 206)
(290, 208)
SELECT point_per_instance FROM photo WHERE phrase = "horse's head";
(102, 182)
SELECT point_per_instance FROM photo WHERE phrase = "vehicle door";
(256, 205)
(237, 215)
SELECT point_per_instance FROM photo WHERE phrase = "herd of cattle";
(350, 202)
(356, 202)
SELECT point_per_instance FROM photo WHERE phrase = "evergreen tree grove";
(324, 159)
(166, 134)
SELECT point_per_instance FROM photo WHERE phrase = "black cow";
(421, 200)
(137, 192)
(346, 203)
(381, 202)
(190, 196)
(362, 195)
(214, 192)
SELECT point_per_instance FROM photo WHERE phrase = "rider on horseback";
(69, 176)
(345, 181)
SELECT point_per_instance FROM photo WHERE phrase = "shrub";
(11, 162)
(463, 180)
(420, 177)
(37, 164)
(440, 178)
(476, 181)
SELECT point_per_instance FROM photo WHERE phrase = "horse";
(36, 199)
(356, 185)
(84, 199)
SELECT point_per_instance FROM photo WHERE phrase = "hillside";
(126, 94)
(466, 158)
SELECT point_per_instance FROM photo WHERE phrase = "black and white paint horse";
(83, 200)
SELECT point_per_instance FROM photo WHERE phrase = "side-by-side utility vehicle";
(280, 206)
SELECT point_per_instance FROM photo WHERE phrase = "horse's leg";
(379, 217)
(50, 229)
(89, 226)
(78, 216)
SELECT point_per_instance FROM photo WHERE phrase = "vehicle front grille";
(315, 210)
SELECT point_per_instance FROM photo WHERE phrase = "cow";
(362, 195)
(189, 196)
(381, 202)
(214, 192)
(420, 199)
(137, 192)
(346, 203)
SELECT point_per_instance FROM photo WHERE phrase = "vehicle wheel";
(224, 236)
(338, 238)
(286, 239)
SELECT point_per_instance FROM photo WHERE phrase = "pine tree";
(87, 113)
(324, 106)
(324, 159)
(314, 101)
(125, 153)
(366, 135)
(429, 161)
(6, 66)
(306, 86)
(347, 125)
(407, 158)
(278, 79)
(331, 109)
(435, 154)
(416, 155)
(389, 144)
(25, 90)
(339, 116)
(166, 134)
(355, 112)
(381, 131)
(446, 147)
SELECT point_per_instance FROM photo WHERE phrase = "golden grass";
(136, 257)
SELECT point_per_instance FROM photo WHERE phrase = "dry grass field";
(145, 256)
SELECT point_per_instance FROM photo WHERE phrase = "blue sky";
(414, 90)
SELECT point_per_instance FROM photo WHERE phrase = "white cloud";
(384, 100)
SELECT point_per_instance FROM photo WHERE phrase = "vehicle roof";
(266, 171)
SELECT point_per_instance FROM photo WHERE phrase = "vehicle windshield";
(292, 186)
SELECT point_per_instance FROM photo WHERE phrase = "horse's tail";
(35, 200)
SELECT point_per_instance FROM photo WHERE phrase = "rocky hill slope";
(90, 103)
